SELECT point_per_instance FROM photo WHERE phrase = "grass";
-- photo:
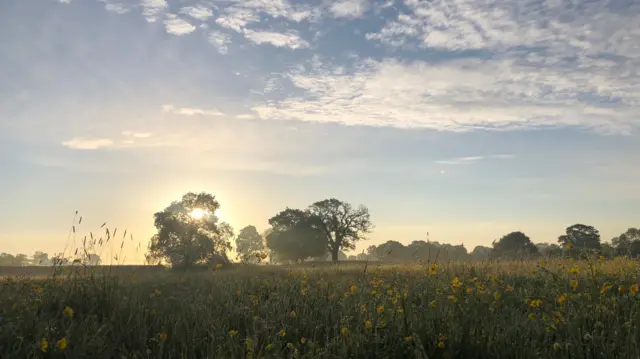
(560, 309)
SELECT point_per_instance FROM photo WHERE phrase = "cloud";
(245, 116)
(220, 41)
(116, 8)
(65, 1)
(177, 26)
(242, 13)
(471, 159)
(276, 39)
(136, 134)
(462, 94)
(152, 9)
(190, 111)
(82, 143)
(198, 12)
(349, 8)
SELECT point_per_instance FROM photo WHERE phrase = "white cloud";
(459, 95)
(198, 12)
(244, 12)
(471, 159)
(82, 143)
(245, 116)
(190, 111)
(65, 1)
(349, 8)
(136, 134)
(152, 9)
(177, 26)
(220, 41)
(276, 39)
(116, 8)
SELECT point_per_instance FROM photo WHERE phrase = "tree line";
(42, 259)
(326, 229)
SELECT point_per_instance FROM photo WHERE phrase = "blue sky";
(465, 119)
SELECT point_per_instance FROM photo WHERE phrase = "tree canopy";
(514, 244)
(295, 236)
(580, 237)
(249, 244)
(188, 232)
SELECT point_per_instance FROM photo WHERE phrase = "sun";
(198, 213)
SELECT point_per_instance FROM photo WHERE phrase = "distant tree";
(481, 253)
(352, 258)
(514, 244)
(371, 252)
(628, 243)
(93, 259)
(59, 260)
(7, 259)
(580, 237)
(249, 244)
(295, 236)
(607, 250)
(341, 224)
(189, 232)
(391, 250)
(40, 259)
(549, 250)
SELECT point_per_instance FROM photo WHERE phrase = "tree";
(628, 243)
(294, 236)
(580, 237)
(549, 250)
(40, 258)
(249, 244)
(514, 244)
(481, 253)
(341, 224)
(93, 259)
(189, 232)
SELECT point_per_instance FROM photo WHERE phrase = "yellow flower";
(574, 284)
(218, 266)
(562, 298)
(62, 344)
(441, 345)
(409, 339)
(433, 269)
(68, 312)
(382, 323)
(557, 346)
(353, 288)
(163, 337)
(568, 246)
(496, 296)
(289, 345)
(157, 292)
(400, 310)
(269, 347)
(433, 304)
(368, 324)
(532, 316)
(44, 345)
(344, 331)
(293, 314)
(442, 337)
(601, 258)
(380, 309)
(574, 270)
(633, 290)
(622, 289)
(536, 303)
(469, 290)
(303, 340)
(233, 333)
(282, 333)
(453, 298)
(363, 308)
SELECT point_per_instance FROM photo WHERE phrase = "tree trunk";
(334, 252)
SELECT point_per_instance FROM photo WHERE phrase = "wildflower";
(62, 344)
(568, 246)
(508, 288)
(157, 292)
(44, 345)
(627, 324)
(536, 303)
(382, 324)
(574, 270)
(557, 346)
(469, 290)
(605, 288)
(408, 339)
(496, 296)
(293, 314)
(363, 308)
(282, 333)
(433, 304)
(163, 337)
(633, 290)
(303, 340)
(601, 258)
(433, 269)
(269, 347)
(389, 291)
(263, 255)
(344, 331)
(442, 338)
(218, 266)
(562, 298)
(400, 310)
(353, 288)
(453, 298)
(531, 316)
(574, 284)
(68, 312)
(368, 324)
(289, 345)
(441, 345)
(380, 309)
(233, 333)
(622, 290)
(533, 272)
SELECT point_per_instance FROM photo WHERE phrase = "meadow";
(514, 309)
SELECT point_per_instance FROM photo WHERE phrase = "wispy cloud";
(190, 111)
(349, 8)
(471, 159)
(290, 40)
(177, 26)
(245, 116)
(83, 143)
(153, 9)
(136, 134)
(220, 41)
(198, 12)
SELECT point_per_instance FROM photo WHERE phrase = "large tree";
(628, 243)
(341, 224)
(514, 244)
(581, 237)
(295, 236)
(249, 244)
(40, 259)
(189, 232)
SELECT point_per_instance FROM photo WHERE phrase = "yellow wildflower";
(163, 337)
(269, 347)
(536, 303)
(233, 333)
(433, 269)
(157, 292)
(557, 346)
(368, 324)
(574, 284)
(633, 290)
(409, 339)
(400, 310)
(62, 344)
(441, 345)
(353, 288)
(344, 331)
(218, 266)
(453, 298)
(496, 296)
(508, 288)
(303, 340)
(622, 289)
(380, 309)
(44, 345)
(568, 246)
(68, 312)
(293, 314)
(363, 308)
(574, 270)
(532, 316)
(282, 333)
(289, 345)
(562, 298)
(433, 304)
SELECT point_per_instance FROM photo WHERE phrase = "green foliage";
(514, 245)
(184, 240)
(515, 310)
(295, 236)
(628, 243)
(249, 244)
(581, 237)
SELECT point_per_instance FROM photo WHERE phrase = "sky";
(464, 119)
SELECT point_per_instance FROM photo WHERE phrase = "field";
(560, 309)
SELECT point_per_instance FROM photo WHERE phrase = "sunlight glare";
(198, 213)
